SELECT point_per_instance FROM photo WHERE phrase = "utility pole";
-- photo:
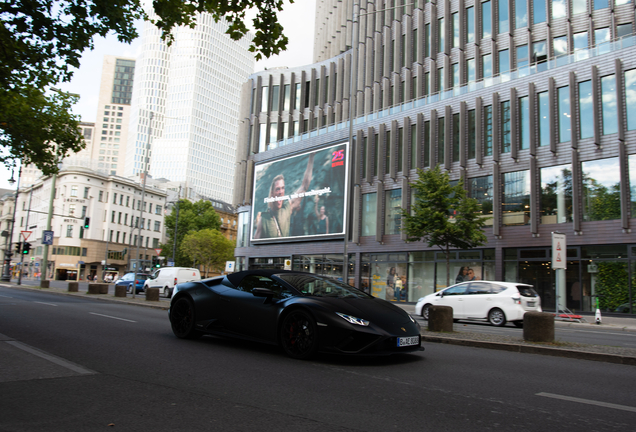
(8, 254)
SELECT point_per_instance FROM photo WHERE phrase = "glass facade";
(601, 189)
(556, 194)
(515, 202)
(123, 81)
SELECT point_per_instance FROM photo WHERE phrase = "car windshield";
(320, 286)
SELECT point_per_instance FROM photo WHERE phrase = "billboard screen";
(301, 196)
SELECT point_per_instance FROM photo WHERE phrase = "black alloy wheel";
(182, 319)
(298, 335)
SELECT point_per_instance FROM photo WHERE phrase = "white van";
(166, 278)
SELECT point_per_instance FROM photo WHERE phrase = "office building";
(530, 103)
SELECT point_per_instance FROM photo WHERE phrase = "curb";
(532, 349)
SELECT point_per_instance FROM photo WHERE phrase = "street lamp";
(6, 277)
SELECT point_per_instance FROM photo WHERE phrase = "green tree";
(208, 248)
(193, 216)
(41, 41)
(443, 215)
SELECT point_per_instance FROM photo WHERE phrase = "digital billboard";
(301, 196)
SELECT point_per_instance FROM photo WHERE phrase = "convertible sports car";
(302, 312)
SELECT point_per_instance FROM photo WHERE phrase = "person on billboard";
(323, 219)
(276, 221)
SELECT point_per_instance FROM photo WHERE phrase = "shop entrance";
(542, 277)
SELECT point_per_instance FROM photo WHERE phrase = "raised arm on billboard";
(295, 202)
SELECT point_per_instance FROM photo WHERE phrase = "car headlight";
(353, 320)
(412, 319)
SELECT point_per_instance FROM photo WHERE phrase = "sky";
(298, 23)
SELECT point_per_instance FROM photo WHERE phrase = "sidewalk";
(601, 353)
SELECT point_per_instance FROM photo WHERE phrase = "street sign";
(288, 264)
(559, 251)
(170, 263)
(229, 266)
(47, 237)
(26, 234)
(158, 250)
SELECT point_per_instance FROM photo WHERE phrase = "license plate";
(408, 341)
(531, 304)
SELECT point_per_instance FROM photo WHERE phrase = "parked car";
(496, 302)
(127, 281)
(303, 313)
(167, 277)
(624, 308)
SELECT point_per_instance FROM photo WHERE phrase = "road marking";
(48, 304)
(108, 316)
(58, 361)
(5, 296)
(588, 401)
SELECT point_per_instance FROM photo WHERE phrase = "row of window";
(599, 184)
(124, 200)
(116, 217)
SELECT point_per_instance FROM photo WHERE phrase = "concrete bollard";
(45, 283)
(152, 294)
(103, 288)
(93, 288)
(538, 327)
(73, 286)
(120, 291)
(440, 319)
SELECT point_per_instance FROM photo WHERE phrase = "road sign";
(158, 250)
(26, 234)
(559, 251)
(47, 237)
(229, 266)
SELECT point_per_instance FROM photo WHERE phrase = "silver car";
(496, 302)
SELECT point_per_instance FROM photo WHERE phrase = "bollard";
(120, 291)
(73, 286)
(45, 284)
(538, 327)
(93, 288)
(103, 288)
(440, 319)
(152, 294)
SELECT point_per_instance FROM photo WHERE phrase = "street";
(77, 364)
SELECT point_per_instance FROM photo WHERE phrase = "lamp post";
(6, 277)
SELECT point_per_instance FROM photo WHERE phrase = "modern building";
(529, 103)
(186, 97)
(97, 222)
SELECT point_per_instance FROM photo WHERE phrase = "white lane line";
(58, 361)
(5, 296)
(108, 316)
(589, 402)
(48, 304)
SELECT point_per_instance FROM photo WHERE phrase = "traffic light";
(26, 248)
(18, 247)
(155, 262)
(87, 222)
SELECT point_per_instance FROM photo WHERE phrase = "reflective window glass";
(565, 125)
(515, 202)
(486, 17)
(601, 189)
(521, 13)
(556, 194)
(609, 111)
(586, 111)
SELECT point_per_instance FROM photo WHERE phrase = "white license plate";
(408, 341)
(531, 304)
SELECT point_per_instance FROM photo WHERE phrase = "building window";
(392, 219)
(505, 127)
(158, 209)
(544, 119)
(504, 61)
(488, 130)
(486, 65)
(264, 98)
(470, 24)
(275, 98)
(586, 111)
(524, 122)
(481, 189)
(602, 4)
(601, 189)
(69, 231)
(608, 98)
(413, 148)
(580, 45)
(515, 202)
(565, 124)
(521, 13)
(486, 17)
(471, 70)
(630, 98)
(504, 27)
(540, 55)
(73, 191)
(579, 6)
(522, 56)
(602, 39)
(157, 226)
(369, 214)
(559, 9)
(71, 209)
(556, 194)
(86, 189)
(426, 141)
(455, 30)
(83, 212)
(560, 45)
(441, 33)
(632, 181)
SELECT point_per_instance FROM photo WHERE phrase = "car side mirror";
(263, 292)
(441, 294)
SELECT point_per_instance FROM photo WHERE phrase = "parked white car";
(166, 278)
(496, 302)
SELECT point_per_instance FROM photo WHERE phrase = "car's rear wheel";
(166, 292)
(182, 319)
(425, 311)
(497, 317)
(298, 335)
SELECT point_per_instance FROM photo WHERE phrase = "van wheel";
(166, 292)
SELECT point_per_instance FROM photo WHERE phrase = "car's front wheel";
(298, 335)
(182, 319)
(129, 289)
(425, 311)
(497, 317)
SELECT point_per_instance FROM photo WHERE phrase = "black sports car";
(303, 312)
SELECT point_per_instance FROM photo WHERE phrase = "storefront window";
(515, 203)
(369, 214)
(481, 189)
(601, 189)
(393, 206)
(556, 194)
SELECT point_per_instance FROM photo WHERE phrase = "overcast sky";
(297, 20)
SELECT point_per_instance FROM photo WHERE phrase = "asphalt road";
(74, 364)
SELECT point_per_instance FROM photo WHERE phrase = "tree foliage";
(443, 215)
(41, 41)
(208, 248)
(192, 217)
(611, 285)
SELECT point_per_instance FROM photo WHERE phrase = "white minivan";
(166, 278)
